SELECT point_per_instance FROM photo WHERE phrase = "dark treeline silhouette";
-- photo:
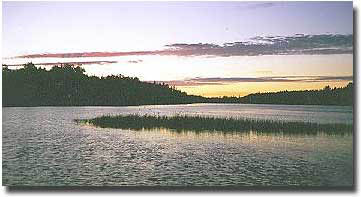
(68, 85)
(326, 96)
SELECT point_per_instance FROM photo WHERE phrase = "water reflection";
(43, 146)
(319, 141)
(262, 159)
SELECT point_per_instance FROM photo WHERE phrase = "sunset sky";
(203, 48)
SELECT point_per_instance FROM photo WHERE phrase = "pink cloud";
(274, 45)
(63, 63)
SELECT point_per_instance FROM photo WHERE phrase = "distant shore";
(68, 85)
(215, 103)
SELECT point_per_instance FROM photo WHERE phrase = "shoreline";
(178, 104)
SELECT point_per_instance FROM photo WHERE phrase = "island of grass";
(201, 123)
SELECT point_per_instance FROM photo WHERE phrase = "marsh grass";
(201, 123)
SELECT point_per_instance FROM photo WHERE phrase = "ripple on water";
(43, 146)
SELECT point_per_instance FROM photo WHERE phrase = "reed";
(201, 123)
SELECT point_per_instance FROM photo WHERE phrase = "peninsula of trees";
(68, 85)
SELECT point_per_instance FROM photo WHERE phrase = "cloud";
(273, 45)
(299, 44)
(86, 54)
(259, 5)
(62, 63)
(135, 61)
(186, 83)
(221, 81)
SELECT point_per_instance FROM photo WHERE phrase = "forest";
(68, 85)
(326, 96)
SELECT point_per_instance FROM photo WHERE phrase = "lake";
(44, 146)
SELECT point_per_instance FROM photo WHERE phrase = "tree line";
(325, 96)
(68, 85)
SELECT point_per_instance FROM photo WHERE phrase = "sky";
(203, 48)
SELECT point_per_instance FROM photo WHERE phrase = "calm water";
(43, 146)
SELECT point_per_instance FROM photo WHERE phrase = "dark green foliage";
(201, 123)
(69, 86)
(326, 96)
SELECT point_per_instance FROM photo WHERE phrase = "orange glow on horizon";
(245, 88)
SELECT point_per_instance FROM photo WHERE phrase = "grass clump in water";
(201, 123)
